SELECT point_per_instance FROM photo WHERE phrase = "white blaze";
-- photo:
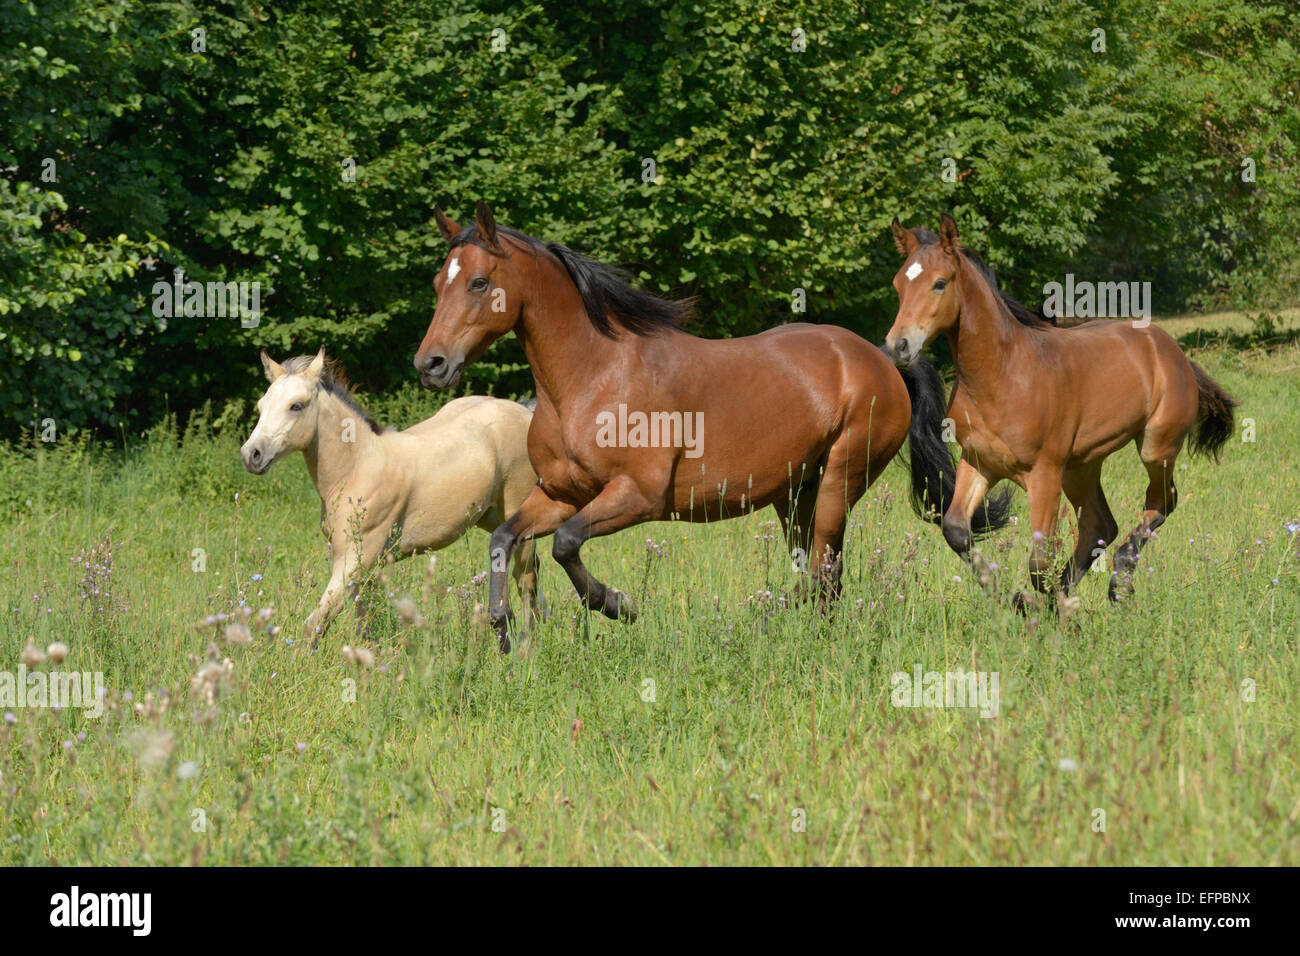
(913, 271)
(452, 268)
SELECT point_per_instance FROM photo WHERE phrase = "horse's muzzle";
(437, 372)
(255, 460)
(903, 350)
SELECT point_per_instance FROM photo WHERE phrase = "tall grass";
(723, 727)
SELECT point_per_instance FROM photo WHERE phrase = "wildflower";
(57, 652)
(10, 719)
(206, 683)
(237, 633)
(1066, 765)
(408, 612)
(152, 748)
(32, 656)
(301, 747)
(188, 770)
(361, 656)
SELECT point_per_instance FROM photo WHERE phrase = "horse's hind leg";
(1162, 498)
(796, 514)
(1097, 527)
(843, 483)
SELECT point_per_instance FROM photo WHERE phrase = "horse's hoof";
(618, 606)
(984, 572)
(1120, 588)
(1022, 602)
(501, 625)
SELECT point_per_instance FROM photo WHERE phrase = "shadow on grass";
(1263, 333)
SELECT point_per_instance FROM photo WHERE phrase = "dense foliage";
(304, 145)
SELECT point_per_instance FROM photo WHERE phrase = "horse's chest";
(567, 480)
(989, 442)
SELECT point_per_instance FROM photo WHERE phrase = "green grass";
(757, 712)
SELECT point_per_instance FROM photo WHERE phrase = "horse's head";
(928, 298)
(287, 412)
(479, 299)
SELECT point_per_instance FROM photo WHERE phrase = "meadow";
(724, 727)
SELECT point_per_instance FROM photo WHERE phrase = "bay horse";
(1044, 406)
(393, 492)
(801, 417)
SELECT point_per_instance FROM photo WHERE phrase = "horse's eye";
(478, 284)
(296, 407)
(940, 285)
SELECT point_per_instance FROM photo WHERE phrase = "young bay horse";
(800, 417)
(1044, 406)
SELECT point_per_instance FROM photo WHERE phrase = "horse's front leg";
(331, 602)
(620, 504)
(525, 575)
(540, 514)
(969, 491)
(351, 559)
(1043, 485)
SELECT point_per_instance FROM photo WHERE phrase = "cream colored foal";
(388, 491)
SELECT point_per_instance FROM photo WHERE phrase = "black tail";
(934, 471)
(1216, 422)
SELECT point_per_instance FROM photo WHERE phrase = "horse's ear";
(317, 364)
(948, 240)
(487, 225)
(905, 240)
(447, 227)
(271, 367)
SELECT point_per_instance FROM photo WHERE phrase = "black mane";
(606, 290)
(335, 382)
(1023, 314)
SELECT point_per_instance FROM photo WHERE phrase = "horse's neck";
(332, 456)
(562, 346)
(988, 343)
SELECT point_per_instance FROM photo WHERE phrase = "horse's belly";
(702, 498)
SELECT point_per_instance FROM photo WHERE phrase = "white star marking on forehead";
(452, 268)
(913, 271)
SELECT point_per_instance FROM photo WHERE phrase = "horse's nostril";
(435, 363)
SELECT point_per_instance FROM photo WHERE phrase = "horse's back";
(475, 411)
(470, 457)
(1122, 343)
